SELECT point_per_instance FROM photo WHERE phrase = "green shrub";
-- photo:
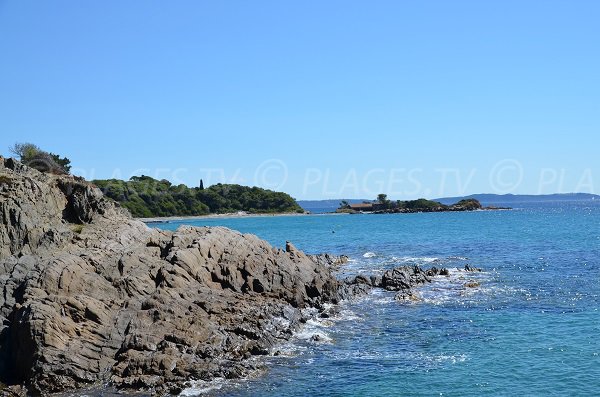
(34, 157)
(423, 204)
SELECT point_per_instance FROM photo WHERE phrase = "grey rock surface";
(91, 296)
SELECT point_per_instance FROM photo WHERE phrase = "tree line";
(147, 197)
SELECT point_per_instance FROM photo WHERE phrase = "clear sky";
(321, 99)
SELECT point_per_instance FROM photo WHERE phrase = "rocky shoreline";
(94, 297)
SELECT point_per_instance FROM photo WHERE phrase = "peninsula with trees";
(146, 197)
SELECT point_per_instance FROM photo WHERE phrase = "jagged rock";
(91, 295)
(376, 280)
(434, 271)
(329, 260)
(404, 278)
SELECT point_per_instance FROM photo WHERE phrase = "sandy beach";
(240, 214)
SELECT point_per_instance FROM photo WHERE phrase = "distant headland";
(508, 199)
(382, 205)
(146, 197)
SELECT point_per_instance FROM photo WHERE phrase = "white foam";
(313, 330)
(369, 255)
(199, 387)
(314, 335)
(289, 349)
(380, 296)
(454, 287)
(415, 259)
(347, 315)
(458, 358)
(420, 359)
(319, 323)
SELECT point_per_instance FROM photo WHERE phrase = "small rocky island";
(92, 297)
(384, 206)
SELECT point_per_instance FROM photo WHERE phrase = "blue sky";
(320, 99)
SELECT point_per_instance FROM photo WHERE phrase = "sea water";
(528, 325)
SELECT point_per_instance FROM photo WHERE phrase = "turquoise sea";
(531, 327)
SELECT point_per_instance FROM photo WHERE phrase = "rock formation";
(92, 296)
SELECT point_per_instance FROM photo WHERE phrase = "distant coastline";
(487, 200)
(165, 219)
(230, 215)
(508, 199)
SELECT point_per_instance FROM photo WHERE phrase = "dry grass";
(77, 229)
(5, 180)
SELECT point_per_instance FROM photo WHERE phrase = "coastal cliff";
(92, 296)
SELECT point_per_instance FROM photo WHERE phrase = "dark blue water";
(528, 326)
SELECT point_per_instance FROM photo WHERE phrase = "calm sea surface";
(532, 327)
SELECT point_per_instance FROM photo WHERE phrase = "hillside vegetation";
(147, 197)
